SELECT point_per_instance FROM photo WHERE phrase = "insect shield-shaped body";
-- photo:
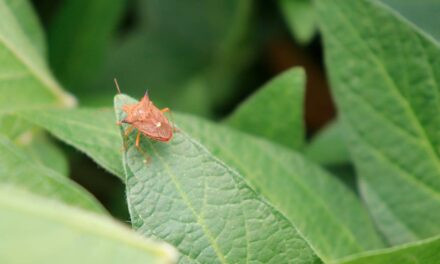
(149, 120)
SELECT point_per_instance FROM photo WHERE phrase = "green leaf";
(25, 81)
(44, 151)
(37, 145)
(328, 146)
(79, 36)
(28, 21)
(187, 197)
(424, 251)
(17, 169)
(300, 17)
(37, 230)
(94, 132)
(323, 209)
(275, 112)
(423, 13)
(385, 77)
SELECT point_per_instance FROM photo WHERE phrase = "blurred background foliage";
(200, 57)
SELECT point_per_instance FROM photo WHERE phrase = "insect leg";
(128, 131)
(138, 140)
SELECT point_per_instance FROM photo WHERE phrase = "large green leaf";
(92, 131)
(423, 13)
(275, 112)
(323, 209)
(385, 77)
(423, 251)
(25, 81)
(17, 169)
(300, 17)
(36, 230)
(79, 36)
(187, 197)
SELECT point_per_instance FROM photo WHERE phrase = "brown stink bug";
(147, 119)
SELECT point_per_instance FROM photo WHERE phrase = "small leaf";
(92, 131)
(423, 251)
(300, 17)
(36, 230)
(25, 80)
(328, 146)
(385, 77)
(275, 112)
(185, 196)
(323, 209)
(17, 169)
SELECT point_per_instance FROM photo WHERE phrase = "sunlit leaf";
(41, 231)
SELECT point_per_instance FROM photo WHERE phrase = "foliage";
(237, 185)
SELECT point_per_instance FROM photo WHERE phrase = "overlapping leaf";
(385, 76)
(328, 146)
(423, 13)
(275, 112)
(28, 21)
(40, 231)
(37, 145)
(323, 209)
(423, 251)
(182, 194)
(300, 17)
(17, 169)
(25, 81)
(92, 131)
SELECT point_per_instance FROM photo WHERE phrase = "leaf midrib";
(200, 220)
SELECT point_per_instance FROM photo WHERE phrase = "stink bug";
(149, 120)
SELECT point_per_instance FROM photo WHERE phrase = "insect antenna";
(117, 85)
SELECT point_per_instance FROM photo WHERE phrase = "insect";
(149, 120)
